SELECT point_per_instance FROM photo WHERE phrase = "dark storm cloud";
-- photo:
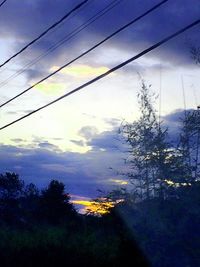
(108, 141)
(83, 174)
(24, 20)
(34, 73)
(173, 121)
(174, 117)
(40, 166)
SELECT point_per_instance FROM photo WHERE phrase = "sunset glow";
(95, 207)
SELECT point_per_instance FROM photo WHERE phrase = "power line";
(49, 33)
(183, 92)
(195, 96)
(192, 87)
(64, 40)
(3, 3)
(45, 32)
(72, 16)
(160, 96)
(107, 72)
(87, 51)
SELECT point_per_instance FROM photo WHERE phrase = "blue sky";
(76, 139)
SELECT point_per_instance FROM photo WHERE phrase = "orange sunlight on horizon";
(95, 207)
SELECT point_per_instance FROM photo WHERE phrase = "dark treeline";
(166, 230)
(42, 228)
(22, 204)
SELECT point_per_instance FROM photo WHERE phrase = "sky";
(76, 140)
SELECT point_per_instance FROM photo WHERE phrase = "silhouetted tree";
(151, 157)
(190, 144)
(195, 53)
(11, 189)
(31, 191)
(30, 203)
(54, 204)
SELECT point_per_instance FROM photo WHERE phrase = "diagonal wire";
(49, 33)
(45, 32)
(3, 3)
(144, 52)
(62, 41)
(87, 51)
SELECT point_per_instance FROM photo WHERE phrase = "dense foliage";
(166, 230)
(161, 206)
(42, 228)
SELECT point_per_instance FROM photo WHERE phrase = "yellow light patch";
(81, 71)
(51, 88)
(171, 183)
(95, 207)
(118, 181)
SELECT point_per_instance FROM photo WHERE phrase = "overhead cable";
(1, 4)
(144, 52)
(87, 51)
(45, 32)
(68, 37)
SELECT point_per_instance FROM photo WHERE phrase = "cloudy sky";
(76, 139)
